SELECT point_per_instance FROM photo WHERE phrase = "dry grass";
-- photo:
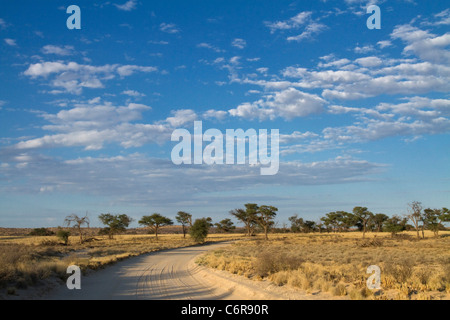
(410, 269)
(25, 260)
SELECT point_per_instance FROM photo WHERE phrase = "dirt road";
(168, 275)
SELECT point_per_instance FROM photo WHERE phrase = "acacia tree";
(154, 222)
(394, 225)
(363, 216)
(78, 223)
(435, 219)
(378, 221)
(338, 220)
(226, 225)
(416, 216)
(247, 216)
(265, 217)
(296, 223)
(115, 223)
(185, 219)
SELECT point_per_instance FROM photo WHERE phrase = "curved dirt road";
(165, 275)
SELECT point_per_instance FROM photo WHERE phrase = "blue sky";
(86, 115)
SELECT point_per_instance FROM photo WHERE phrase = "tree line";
(364, 220)
(257, 218)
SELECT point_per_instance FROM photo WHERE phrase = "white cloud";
(73, 77)
(310, 30)
(128, 70)
(94, 126)
(169, 28)
(3, 24)
(239, 43)
(127, 6)
(181, 117)
(385, 43)
(215, 114)
(11, 42)
(288, 104)
(439, 19)
(209, 46)
(133, 93)
(58, 50)
(369, 61)
(425, 45)
(292, 23)
(364, 49)
(113, 177)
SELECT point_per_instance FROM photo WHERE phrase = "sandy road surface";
(169, 275)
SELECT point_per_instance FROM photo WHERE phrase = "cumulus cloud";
(73, 77)
(425, 45)
(181, 117)
(215, 114)
(58, 50)
(288, 104)
(91, 126)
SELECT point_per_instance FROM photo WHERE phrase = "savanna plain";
(323, 264)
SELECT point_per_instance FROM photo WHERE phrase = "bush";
(199, 230)
(63, 235)
(268, 263)
(41, 232)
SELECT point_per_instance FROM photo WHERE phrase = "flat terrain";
(232, 266)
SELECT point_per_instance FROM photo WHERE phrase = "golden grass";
(337, 263)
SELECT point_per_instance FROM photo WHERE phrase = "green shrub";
(41, 232)
(63, 235)
(199, 230)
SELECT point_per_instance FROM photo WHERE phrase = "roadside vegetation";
(337, 263)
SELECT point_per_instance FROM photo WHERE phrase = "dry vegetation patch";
(410, 269)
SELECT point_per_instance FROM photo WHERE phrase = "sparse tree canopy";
(296, 223)
(77, 223)
(339, 220)
(378, 221)
(185, 219)
(394, 225)
(363, 216)
(265, 216)
(115, 223)
(247, 216)
(434, 219)
(226, 225)
(154, 222)
(416, 216)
